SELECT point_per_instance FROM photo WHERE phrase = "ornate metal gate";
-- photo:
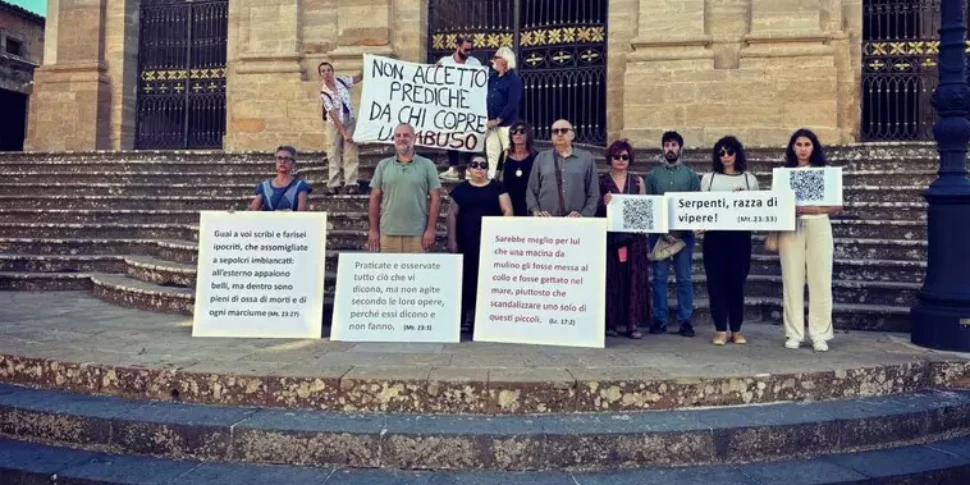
(899, 50)
(560, 47)
(182, 74)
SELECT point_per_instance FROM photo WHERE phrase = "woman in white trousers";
(807, 253)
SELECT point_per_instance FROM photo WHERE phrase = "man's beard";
(462, 56)
(672, 156)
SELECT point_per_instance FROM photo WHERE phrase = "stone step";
(90, 231)
(19, 281)
(498, 443)
(57, 263)
(129, 292)
(161, 272)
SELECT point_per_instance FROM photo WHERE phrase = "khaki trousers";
(807, 251)
(341, 156)
(401, 244)
(496, 140)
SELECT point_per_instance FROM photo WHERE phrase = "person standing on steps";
(727, 254)
(515, 166)
(461, 57)
(339, 123)
(286, 191)
(810, 248)
(627, 266)
(672, 176)
(402, 220)
(475, 198)
(504, 93)
(563, 182)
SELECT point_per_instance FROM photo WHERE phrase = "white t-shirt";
(719, 182)
(472, 61)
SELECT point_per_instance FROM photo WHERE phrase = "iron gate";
(899, 56)
(181, 100)
(560, 47)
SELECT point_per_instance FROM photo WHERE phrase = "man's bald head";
(562, 134)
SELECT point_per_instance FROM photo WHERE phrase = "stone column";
(622, 29)
(121, 54)
(70, 105)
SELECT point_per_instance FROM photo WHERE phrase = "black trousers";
(727, 260)
(458, 158)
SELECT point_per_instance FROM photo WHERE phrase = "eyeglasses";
(622, 156)
(478, 165)
(727, 152)
(560, 131)
(517, 131)
(284, 159)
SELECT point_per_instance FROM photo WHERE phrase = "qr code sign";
(638, 214)
(809, 185)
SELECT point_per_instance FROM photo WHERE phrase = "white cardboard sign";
(260, 274)
(541, 281)
(398, 298)
(637, 213)
(746, 210)
(820, 186)
(445, 104)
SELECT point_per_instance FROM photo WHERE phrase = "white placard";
(397, 298)
(260, 274)
(637, 213)
(745, 210)
(542, 281)
(820, 186)
(445, 104)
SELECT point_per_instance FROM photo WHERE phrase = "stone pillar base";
(70, 109)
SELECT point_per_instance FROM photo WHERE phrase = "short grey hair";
(287, 148)
(507, 54)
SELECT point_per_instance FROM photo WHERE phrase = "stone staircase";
(125, 225)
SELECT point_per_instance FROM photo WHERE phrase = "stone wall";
(24, 27)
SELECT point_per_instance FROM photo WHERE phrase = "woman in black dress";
(515, 165)
(473, 199)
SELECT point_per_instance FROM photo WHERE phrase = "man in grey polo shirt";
(563, 180)
(399, 214)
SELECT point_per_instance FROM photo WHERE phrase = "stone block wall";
(24, 27)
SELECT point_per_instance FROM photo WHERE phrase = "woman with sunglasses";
(727, 254)
(515, 166)
(475, 198)
(627, 265)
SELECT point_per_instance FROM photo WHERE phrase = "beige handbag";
(771, 242)
(667, 246)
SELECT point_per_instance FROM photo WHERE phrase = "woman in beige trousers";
(807, 252)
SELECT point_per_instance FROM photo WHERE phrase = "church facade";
(241, 74)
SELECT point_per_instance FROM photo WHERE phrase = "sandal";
(610, 332)
(635, 334)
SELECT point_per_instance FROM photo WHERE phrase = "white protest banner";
(745, 210)
(397, 298)
(637, 213)
(821, 186)
(445, 104)
(260, 274)
(542, 281)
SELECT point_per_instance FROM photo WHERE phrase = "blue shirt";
(504, 93)
(288, 200)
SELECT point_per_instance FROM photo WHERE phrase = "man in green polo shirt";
(673, 176)
(401, 218)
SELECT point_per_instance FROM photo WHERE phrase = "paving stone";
(705, 476)
(125, 469)
(18, 459)
(226, 474)
(179, 430)
(810, 472)
(897, 461)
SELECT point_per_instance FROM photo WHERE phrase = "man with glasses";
(285, 192)
(563, 180)
(401, 220)
(461, 57)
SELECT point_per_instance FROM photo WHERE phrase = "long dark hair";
(817, 159)
(618, 147)
(529, 136)
(731, 143)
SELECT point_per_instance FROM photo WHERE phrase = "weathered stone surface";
(531, 391)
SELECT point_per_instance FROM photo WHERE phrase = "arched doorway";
(561, 50)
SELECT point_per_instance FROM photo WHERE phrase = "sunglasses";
(727, 152)
(284, 159)
(517, 131)
(478, 165)
(560, 131)
(623, 157)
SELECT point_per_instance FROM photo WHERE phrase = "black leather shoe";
(687, 330)
(658, 328)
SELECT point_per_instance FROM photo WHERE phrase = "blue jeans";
(683, 271)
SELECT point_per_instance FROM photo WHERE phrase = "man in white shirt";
(462, 56)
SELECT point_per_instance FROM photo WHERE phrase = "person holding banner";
(401, 218)
(727, 254)
(339, 122)
(504, 93)
(285, 192)
(475, 198)
(461, 57)
(515, 166)
(627, 266)
(563, 182)
(810, 248)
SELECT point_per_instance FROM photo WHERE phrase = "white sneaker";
(450, 174)
(820, 346)
(792, 344)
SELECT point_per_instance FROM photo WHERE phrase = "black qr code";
(808, 185)
(638, 214)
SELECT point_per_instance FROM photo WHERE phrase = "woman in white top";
(809, 249)
(727, 254)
